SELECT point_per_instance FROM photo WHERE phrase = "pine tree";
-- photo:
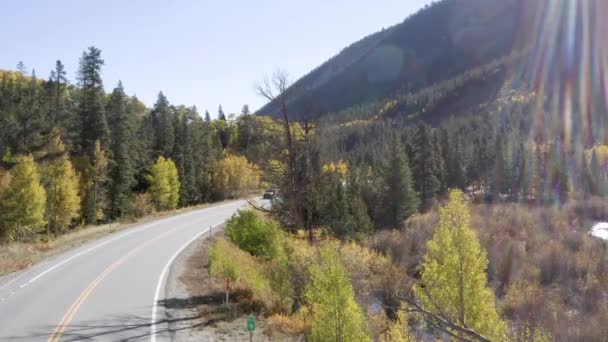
(91, 108)
(220, 114)
(245, 110)
(207, 117)
(190, 160)
(58, 81)
(440, 162)
(163, 120)
(334, 208)
(30, 123)
(164, 184)
(22, 202)
(362, 224)
(454, 274)
(400, 199)
(121, 171)
(524, 177)
(61, 183)
(500, 185)
(425, 166)
(335, 315)
(22, 68)
(93, 182)
(455, 173)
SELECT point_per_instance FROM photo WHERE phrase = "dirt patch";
(195, 301)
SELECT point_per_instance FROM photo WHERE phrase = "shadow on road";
(130, 327)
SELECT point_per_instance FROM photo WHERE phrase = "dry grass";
(206, 293)
(546, 271)
(18, 256)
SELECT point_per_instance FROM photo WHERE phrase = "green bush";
(255, 234)
(230, 262)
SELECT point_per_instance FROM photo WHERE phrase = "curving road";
(111, 289)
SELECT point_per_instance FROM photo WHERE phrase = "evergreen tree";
(455, 173)
(121, 174)
(91, 108)
(93, 188)
(335, 315)
(22, 68)
(164, 132)
(400, 200)
(440, 161)
(454, 274)
(502, 170)
(334, 207)
(220, 114)
(30, 124)
(523, 174)
(22, 202)
(223, 130)
(58, 95)
(425, 166)
(245, 110)
(207, 117)
(190, 160)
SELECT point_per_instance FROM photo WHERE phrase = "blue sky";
(202, 53)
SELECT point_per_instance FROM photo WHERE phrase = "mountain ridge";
(438, 42)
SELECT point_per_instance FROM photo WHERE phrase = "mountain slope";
(439, 42)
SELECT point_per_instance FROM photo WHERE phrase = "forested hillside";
(439, 42)
(436, 180)
(73, 154)
(504, 100)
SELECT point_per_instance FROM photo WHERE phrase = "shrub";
(142, 205)
(294, 325)
(229, 262)
(335, 314)
(255, 234)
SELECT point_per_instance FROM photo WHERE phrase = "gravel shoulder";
(194, 303)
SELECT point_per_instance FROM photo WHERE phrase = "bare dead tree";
(438, 318)
(308, 180)
(276, 89)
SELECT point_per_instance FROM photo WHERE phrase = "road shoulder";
(194, 301)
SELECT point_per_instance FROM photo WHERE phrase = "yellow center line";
(69, 315)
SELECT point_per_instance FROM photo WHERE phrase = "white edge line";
(145, 226)
(159, 284)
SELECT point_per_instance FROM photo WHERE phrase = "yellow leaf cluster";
(454, 273)
(164, 184)
(236, 176)
(340, 168)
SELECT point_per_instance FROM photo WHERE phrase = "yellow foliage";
(63, 202)
(391, 330)
(601, 151)
(454, 273)
(295, 324)
(22, 202)
(236, 176)
(340, 168)
(164, 184)
(335, 315)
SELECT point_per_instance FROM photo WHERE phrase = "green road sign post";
(251, 326)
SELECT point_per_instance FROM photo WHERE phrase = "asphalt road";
(112, 289)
